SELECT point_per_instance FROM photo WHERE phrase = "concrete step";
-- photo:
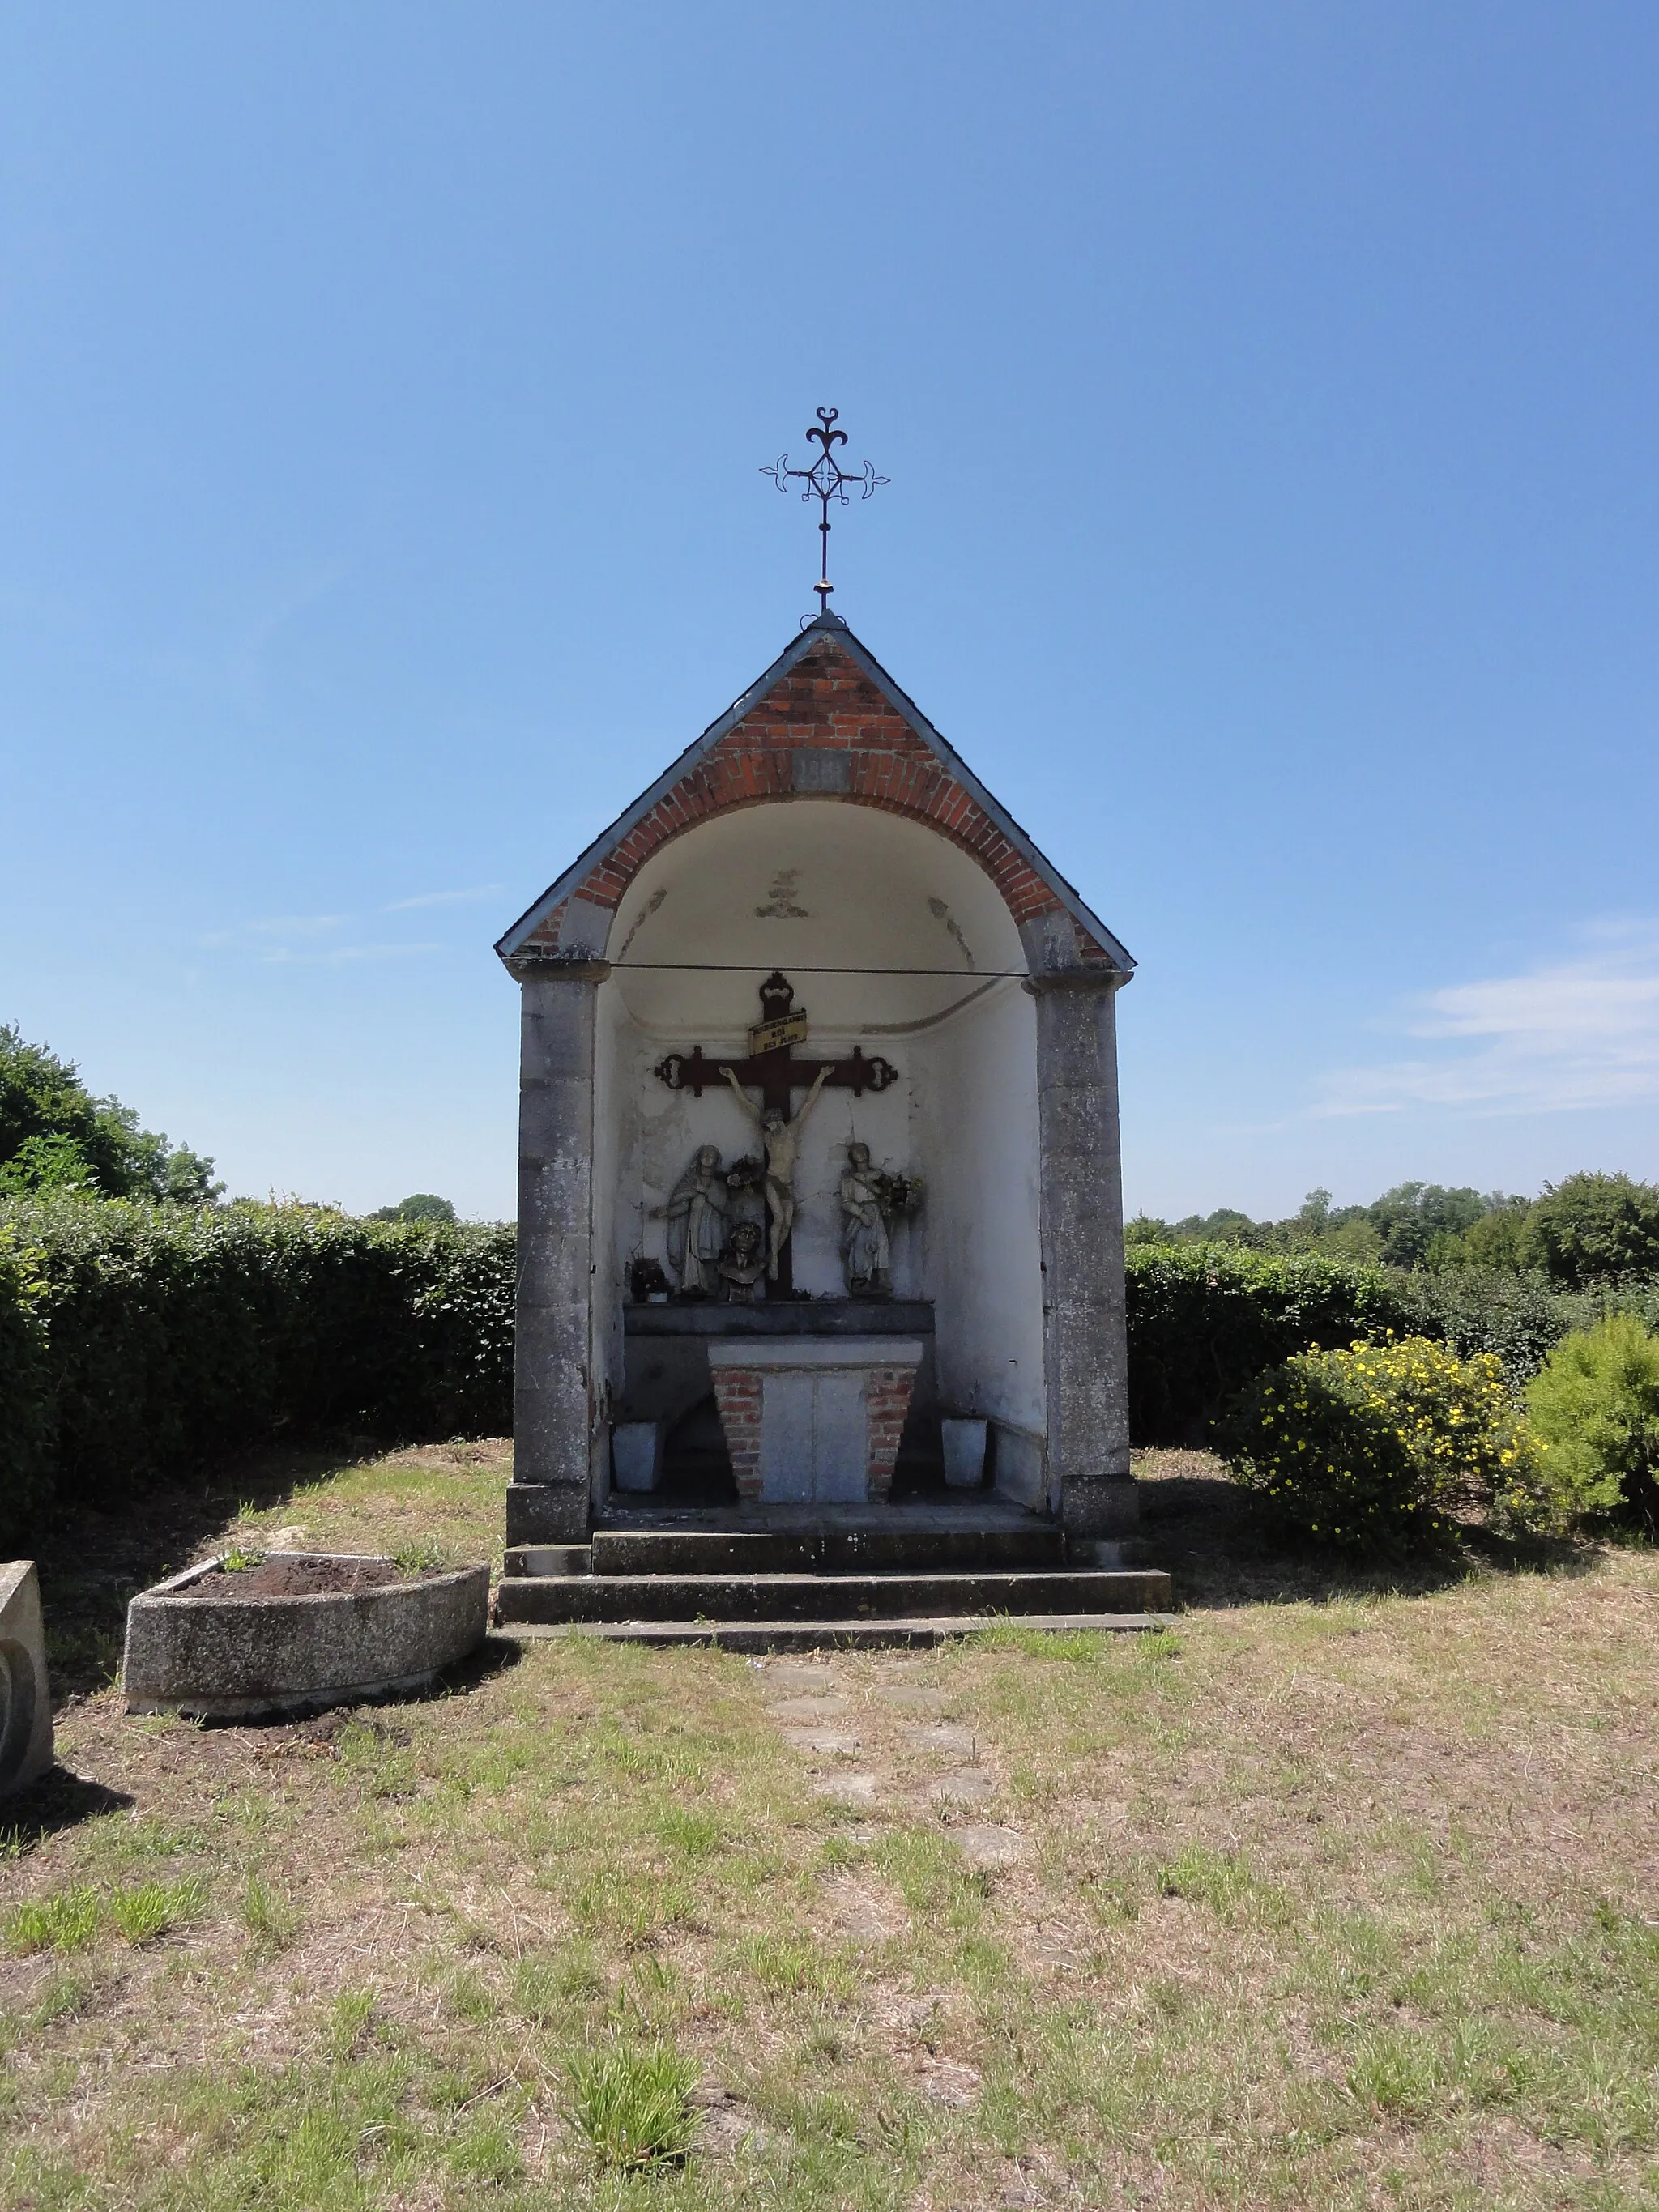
(775, 1597)
(824, 1551)
(826, 1635)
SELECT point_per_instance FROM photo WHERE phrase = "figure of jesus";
(780, 1136)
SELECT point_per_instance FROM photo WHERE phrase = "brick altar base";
(813, 1420)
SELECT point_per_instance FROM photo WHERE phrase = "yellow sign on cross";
(776, 1037)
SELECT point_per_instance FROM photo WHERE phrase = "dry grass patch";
(1330, 1898)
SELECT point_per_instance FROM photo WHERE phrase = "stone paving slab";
(823, 1743)
(963, 1785)
(987, 1846)
(913, 1696)
(944, 1736)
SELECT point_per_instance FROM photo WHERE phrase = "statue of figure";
(744, 1263)
(866, 1255)
(780, 1136)
(696, 1223)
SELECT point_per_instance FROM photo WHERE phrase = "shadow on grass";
(104, 1554)
(58, 1800)
(1222, 1550)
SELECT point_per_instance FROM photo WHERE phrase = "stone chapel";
(820, 1218)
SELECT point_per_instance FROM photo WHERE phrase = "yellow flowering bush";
(1382, 1448)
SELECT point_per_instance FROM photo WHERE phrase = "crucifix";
(771, 1069)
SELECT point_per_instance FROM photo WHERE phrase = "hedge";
(1519, 1316)
(139, 1342)
(1204, 1320)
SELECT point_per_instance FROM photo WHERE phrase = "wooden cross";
(771, 1069)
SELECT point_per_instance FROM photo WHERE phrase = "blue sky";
(1267, 393)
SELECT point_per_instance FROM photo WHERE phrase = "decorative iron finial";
(824, 480)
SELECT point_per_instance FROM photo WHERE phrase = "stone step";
(823, 1551)
(826, 1635)
(773, 1597)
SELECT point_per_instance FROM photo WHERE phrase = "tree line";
(1587, 1232)
(55, 1136)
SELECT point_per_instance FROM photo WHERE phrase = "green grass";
(1341, 1906)
(67, 1922)
(270, 1918)
(156, 1908)
(632, 2102)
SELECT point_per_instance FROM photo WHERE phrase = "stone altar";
(812, 1397)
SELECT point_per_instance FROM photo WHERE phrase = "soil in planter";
(298, 1578)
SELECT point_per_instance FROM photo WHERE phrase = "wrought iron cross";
(824, 480)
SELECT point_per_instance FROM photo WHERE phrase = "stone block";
(548, 1559)
(1101, 1506)
(24, 1693)
(547, 1513)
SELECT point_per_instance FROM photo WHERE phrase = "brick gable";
(822, 713)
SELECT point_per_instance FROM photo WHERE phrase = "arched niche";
(897, 941)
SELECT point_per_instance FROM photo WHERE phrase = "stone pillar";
(1084, 1345)
(554, 1408)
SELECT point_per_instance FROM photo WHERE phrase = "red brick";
(824, 702)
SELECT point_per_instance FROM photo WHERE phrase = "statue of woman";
(697, 1225)
(866, 1256)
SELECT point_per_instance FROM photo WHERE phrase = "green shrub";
(1595, 1405)
(140, 1341)
(26, 1458)
(1380, 1449)
(1205, 1320)
(1515, 1314)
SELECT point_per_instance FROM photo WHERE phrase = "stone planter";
(225, 1657)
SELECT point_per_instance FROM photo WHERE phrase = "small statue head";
(858, 1156)
(745, 1241)
(708, 1159)
(773, 1118)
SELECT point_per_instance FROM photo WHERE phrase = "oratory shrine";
(819, 1217)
